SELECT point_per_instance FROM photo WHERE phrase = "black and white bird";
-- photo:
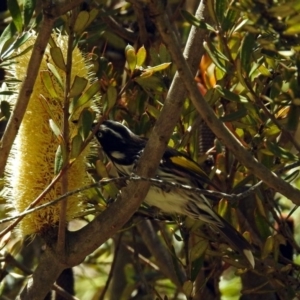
(124, 148)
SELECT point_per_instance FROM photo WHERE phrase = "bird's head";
(118, 141)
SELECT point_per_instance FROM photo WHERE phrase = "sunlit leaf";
(58, 58)
(141, 56)
(130, 57)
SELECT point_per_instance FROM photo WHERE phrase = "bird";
(123, 148)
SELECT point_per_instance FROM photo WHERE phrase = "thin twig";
(112, 268)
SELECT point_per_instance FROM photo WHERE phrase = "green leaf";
(199, 249)
(230, 95)
(85, 97)
(7, 34)
(60, 158)
(15, 11)
(237, 115)
(149, 71)
(220, 9)
(188, 288)
(58, 58)
(56, 74)
(14, 44)
(230, 19)
(196, 22)
(111, 97)
(86, 120)
(268, 247)
(292, 30)
(5, 109)
(141, 56)
(78, 86)
(55, 128)
(247, 51)
(29, 7)
(130, 57)
(280, 152)
(214, 56)
(76, 145)
(81, 21)
(48, 83)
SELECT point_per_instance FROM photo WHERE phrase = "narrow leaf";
(78, 86)
(130, 57)
(54, 128)
(29, 7)
(81, 21)
(58, 58)
(15, 11)
(48, 83)
(141, 56)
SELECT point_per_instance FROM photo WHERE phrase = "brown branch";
(161, 254)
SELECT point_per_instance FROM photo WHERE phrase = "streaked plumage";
(124, 148)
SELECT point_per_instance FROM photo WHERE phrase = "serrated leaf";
(81, 22)
(141, 56)
(48, 83)
(58, 58)
(130, 57)
(78, 86)
(54, 127)
(29, 7)
(15, 11)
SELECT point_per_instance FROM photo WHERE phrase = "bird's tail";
(236, 240)
(203, 211)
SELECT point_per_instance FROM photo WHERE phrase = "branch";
(224, 135)
(89, 238)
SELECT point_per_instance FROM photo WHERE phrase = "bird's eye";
(99, 134)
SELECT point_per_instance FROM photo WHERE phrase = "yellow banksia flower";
(30, 167)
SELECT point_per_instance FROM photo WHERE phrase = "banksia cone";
(30, 167)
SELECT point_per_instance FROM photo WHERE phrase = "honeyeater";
(124, 148)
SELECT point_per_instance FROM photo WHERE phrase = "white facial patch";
(117, 155)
